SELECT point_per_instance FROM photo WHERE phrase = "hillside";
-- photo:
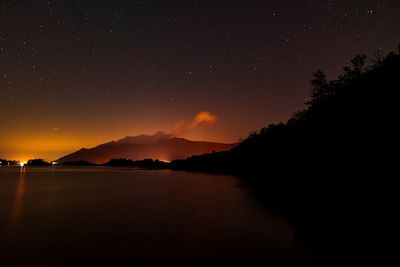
(348, 123)
(159, 146)
(330, 167)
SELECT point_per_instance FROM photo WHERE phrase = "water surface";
(73, 216)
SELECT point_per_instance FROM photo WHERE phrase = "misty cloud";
(204, 117)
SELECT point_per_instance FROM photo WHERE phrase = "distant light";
(21, 164)
(54, 163)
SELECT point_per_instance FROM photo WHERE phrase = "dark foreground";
(67, 216)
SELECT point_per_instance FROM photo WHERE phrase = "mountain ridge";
(161, 146)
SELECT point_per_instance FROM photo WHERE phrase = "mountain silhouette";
(158, 146)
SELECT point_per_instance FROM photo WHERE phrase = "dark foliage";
(146, 163)
(78, 163)
(119, 162)
(37, 162)
(122, 162)
(329, 167)
(5, 162)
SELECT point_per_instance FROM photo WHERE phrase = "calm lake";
(60, 216)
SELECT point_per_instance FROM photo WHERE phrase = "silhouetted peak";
(144, 139)
(179, 139)
(162, 135)
(159, 145)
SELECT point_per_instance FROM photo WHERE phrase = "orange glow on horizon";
(23, 148)
(51, 145)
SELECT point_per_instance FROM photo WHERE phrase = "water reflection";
(133, 217)
(18, 202)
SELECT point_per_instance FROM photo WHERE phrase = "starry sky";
(78, 73)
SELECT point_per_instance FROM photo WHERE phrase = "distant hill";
(158, 146)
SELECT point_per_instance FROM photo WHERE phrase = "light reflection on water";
(17, 205)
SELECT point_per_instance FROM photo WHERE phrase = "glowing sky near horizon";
(79, 73)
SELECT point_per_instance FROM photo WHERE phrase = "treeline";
(145, 163)
(331, 167)
(38, 162)
(348, 125)
(123, 162)
(154, 164)
(5, 162)
(31, 162)
(339, 147)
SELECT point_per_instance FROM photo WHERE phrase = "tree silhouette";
(37, 162)
(319, 87)
(314, 168)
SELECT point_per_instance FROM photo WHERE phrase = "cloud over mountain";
(181, 127)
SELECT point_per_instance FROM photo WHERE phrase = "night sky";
(78, 73)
